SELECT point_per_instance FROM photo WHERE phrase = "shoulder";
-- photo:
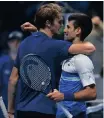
(82, 57)
(83, 61)
(26, 41)
(61, 43)
(4, 59)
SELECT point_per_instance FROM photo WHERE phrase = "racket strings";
(35, 73)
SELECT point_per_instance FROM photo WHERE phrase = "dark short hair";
(46, 12)
(83, 21)
(15, 35)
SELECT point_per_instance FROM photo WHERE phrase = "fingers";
(49, 94)
(56, 95)
(25, 28)
(24, 25)
(52, 95)
(10, 116)
(55, 90)
(28, 27)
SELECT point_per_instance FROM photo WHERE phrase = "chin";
(57, 32)
(68, 39)
(71, 40)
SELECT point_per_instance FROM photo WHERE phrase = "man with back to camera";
(77, 82)
(48, 20)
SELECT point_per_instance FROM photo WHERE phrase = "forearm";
(82, 48)
(82, 95)
(11, 96)
(85, 95)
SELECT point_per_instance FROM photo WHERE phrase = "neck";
(47, 32)
(77, 40)
(12, 55)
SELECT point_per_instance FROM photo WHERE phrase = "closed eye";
(68, 26)
(60, 22)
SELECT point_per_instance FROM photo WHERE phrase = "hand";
(28, 27)
(56, 95)
(10, 115)
(96, 20)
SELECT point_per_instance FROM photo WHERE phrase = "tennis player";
(77, 82)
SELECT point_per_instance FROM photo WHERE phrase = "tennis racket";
(36, 74)
(3, 108)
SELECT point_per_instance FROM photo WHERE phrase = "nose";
(65, 30)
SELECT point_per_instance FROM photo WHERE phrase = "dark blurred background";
(14, 13)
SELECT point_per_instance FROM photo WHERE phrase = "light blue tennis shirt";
(77, 73)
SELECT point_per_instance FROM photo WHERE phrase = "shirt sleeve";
(84, 67)
(64, 45)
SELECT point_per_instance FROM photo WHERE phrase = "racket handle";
(3, 108)
(66, 112)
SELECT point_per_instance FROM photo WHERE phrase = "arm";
(98, 22)
(89, 93)
(84, 67)
(82, 48)
(12, 89)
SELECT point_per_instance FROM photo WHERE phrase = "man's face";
(56, 25)
(70, 31)
(13, 45)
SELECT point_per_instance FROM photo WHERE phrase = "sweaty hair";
(47, 12)
(83, 21)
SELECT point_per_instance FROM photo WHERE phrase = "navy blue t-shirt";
(53, 52)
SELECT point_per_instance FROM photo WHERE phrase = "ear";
(78, 30)
(48, 23)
